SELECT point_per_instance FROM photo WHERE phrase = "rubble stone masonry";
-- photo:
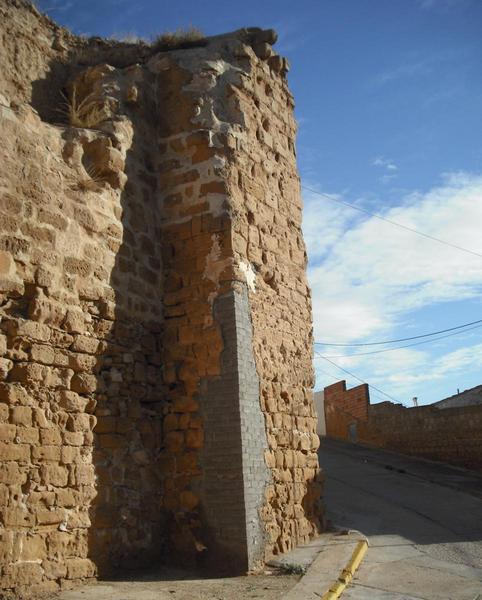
(155, 335)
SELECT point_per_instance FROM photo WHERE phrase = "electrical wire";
(367, 212)
(356, 377)
(338, 379)
(400, 347)
(415, 337)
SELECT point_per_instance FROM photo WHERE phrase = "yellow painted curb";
(346, 575)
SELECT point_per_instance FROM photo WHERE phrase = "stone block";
(71, 401)
(27, 373)
(80, 362)
(27, 435)
(54, 569)
(21, 415)
(29, 329)
(79, 568)
(40, 419)
(14, 452)
(194, 438)
(50, 517)
(18, 517)
(73, 438)
(53, 474)
(5, 367)
(83, 383)
(11, 473)
(42, 353)
(33, 548)
(24, 574)
(46, 453)
(50, 437)
(7, 432)
(74, 321)
(69, 454)
(85, 344)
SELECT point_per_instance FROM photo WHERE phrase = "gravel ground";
(172, 584)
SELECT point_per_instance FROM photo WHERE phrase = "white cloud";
(440, 4)
(387, 163)
(387, 178)
(388, 166)
(413, 65)
(408, 69)
(367, 275)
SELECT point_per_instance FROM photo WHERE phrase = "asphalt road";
(423, 521)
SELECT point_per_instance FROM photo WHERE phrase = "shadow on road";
(385, 494)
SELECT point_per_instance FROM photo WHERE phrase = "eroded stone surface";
(153, 300)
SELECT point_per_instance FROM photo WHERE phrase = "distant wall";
(355, 401)
(470, 397)
(452, 435)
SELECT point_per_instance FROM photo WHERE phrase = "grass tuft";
(86, 113)
(92, 181)
(179, 39)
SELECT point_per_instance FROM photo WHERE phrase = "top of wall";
(470, 397)
(39, 57)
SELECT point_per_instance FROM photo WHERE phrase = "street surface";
(423, 522)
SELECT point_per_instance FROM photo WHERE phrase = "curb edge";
(346, 575)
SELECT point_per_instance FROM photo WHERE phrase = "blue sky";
(389, 102)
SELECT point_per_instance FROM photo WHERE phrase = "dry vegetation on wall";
(182, 38)
(89, 111)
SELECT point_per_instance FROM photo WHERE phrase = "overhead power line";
(400, 347)
(367, 212)
(338, 379)
(356, 377)
(415, 337)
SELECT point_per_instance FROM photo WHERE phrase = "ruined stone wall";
(155, 379)
(81, 324)
(269, 249)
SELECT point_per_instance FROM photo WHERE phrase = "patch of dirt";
(176, 584)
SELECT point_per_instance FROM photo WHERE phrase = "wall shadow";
(384, 494)
(128, 522)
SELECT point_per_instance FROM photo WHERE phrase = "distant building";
(471, 397)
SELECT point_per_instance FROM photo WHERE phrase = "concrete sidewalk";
(328, 562)
(423, 522)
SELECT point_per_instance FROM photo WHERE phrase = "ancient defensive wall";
(156, 333)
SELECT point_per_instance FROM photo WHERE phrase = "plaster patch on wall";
(217, 203)
(215, 266)
(250, 275)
